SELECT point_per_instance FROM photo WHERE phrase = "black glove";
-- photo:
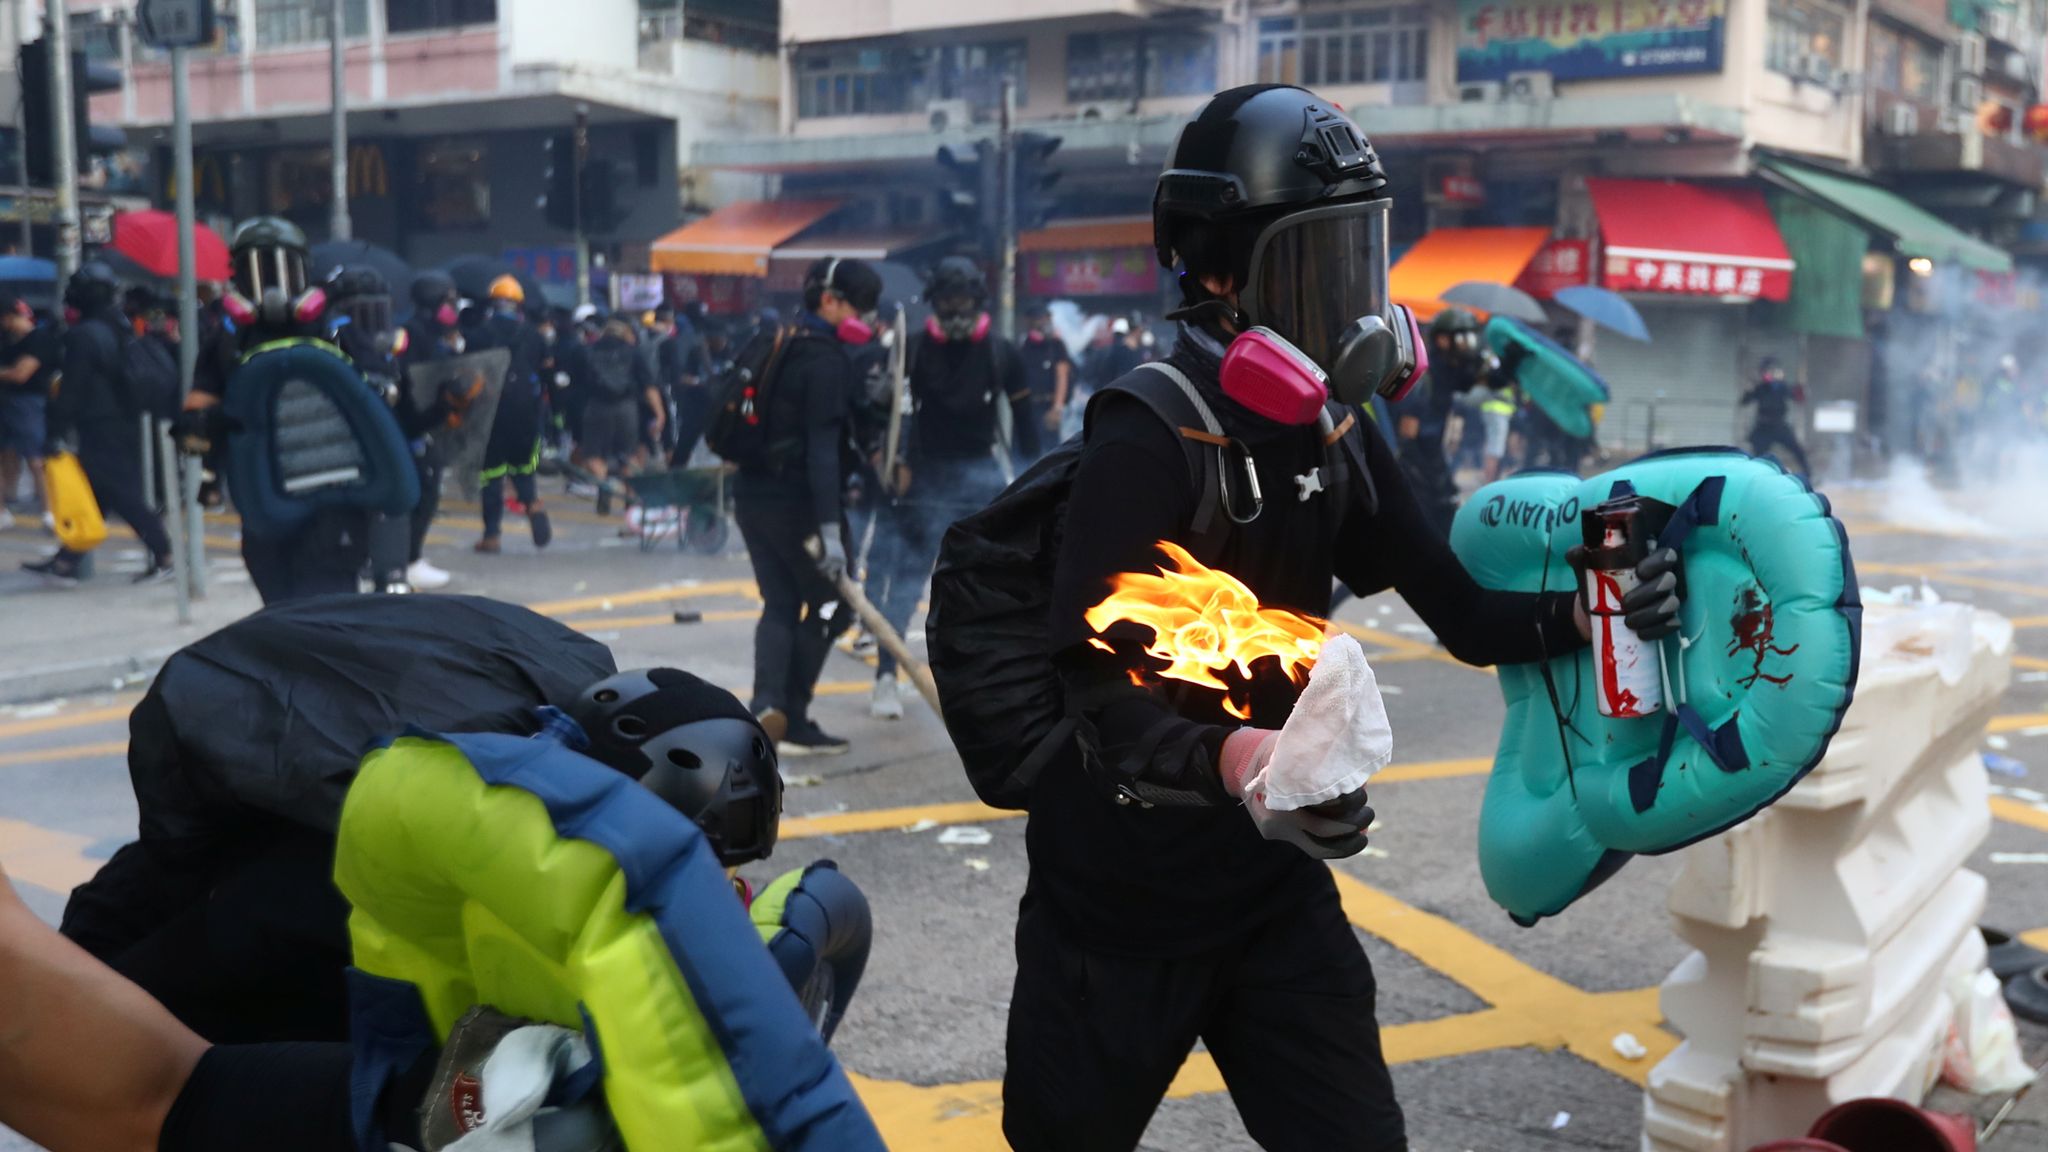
(1329, 831)
(196, 430)
(1651, 607)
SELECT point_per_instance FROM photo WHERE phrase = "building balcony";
(1966, 152)
(815, 21)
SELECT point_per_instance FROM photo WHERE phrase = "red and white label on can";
(1626, 680)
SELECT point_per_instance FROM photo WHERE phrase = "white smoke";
(1075, 328)
(2012, 505)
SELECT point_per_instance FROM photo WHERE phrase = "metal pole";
(193, 533)
(338, 227)
(57, 24)
(1006, 294)
(582, 154)
(22, 20)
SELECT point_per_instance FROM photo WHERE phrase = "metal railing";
(1634, 426)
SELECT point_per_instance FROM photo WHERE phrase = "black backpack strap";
(1347, 475)
(1178, 404)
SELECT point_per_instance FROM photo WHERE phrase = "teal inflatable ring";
(1772, 630)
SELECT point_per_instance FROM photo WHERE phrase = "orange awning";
(1449, 257)
(736, 239)
(1088, 235)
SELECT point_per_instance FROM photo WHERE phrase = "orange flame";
(1204, 621)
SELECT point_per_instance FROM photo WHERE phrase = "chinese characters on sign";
(1588, 39)
(548, 265)
(1560, 264)
(1107, 272)
(1696, 275)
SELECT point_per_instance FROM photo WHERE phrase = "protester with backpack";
(781, 416)
(623, 387)
(29, 356)
(97, 413)
(1164, 904)
(971, 419)
(513, 453)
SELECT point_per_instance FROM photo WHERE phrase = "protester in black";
(971, 425)
(96, 414)
(278, 304)
(1422, 417)
(28, 362)
(513, 453)
(1158, 911)
(623, 390)
(1048, 372)
(1773, 396)
(432, 333)
(693, 367)
(359, 322)
(789, 509)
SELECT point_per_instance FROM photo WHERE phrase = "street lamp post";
(339, 227)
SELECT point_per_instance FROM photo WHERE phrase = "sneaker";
(489, 546)
(57, 569)
(424, 575)
(543, 528)
(807, 739)
(159, 571)
(583, 488)
(886, 702)
(6, 518)
(515, 506)
(394, 588)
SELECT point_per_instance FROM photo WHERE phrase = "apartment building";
(1703, 156)
(455, 109)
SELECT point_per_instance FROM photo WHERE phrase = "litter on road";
(2019, 857)
(966, 835)
(924, 825)
(1628, 1047)
(2004, 766)
(977, 864)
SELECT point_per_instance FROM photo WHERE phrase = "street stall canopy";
(1084, 235)
(1449, 257)
(737, 239)
(1675, 238)
(1915, 232)
(878, 248)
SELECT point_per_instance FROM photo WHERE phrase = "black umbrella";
(332, 254)
(473, 276)
(1497, 299)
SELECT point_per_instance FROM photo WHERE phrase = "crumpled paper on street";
(1336, 737)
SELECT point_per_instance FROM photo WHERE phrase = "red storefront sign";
(1695, 274)
(1104, 272)
(1464, 190)
(1559, 264)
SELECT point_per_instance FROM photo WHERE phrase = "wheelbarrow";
(686, 503)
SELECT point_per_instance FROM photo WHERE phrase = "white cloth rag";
(516, 1078)
(1336, 737)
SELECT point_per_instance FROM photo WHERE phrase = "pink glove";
(1329, 831)
(1245, 752)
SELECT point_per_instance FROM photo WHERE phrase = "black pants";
(693, 412)
(493, 500)
(1286, 1011)
(1777, 434)
(259, 1097)
(325, 558)
(800, 610)
(113, 466)
(429, 462)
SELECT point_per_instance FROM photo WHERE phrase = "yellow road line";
(59, 723)
(1433, 770)
(2037, 938)
(2014, 812)
(45, 858)
(1937, 577)
(2030, 663)
(2030, 622)
(72, 752)
(606, 602)
(2001, 724)
(1404, 648)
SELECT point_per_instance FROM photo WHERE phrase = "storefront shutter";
(1685, 381)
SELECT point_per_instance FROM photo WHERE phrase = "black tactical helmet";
(269, 259)
(956, 276)
(345, 283)
(693, 745)
(432, 288)
(93, 288)
(1451, 321)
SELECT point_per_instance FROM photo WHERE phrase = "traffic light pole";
(1006, 240)
(339, 226)
(57, 32)
(185, 508)
(581, 153)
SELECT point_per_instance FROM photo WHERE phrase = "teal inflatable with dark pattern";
(1756, 686)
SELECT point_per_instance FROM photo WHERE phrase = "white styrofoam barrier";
(1826, 927)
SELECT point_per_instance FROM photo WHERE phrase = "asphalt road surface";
(1502, 1036)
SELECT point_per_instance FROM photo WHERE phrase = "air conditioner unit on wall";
(948, 115)
(1995, 23)
(1902, 120)
(1817, 70)
(1970, 54)
(1480, 92)
(1529, 87)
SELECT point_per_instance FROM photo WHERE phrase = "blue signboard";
(1588, 39)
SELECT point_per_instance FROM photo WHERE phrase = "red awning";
(1675, 238)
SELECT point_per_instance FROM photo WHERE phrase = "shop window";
(281, 22)
(1376, 45)
(852, 80)
(975, 72)
(1799, 29)
(455, 184)
(1127, 65)
(429, 15)
(647, 156)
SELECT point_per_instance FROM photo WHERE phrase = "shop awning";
(854, 245)
(1449, 257)
(736, 239)
(1676, 238)
(1088, 235)
(1915, 232)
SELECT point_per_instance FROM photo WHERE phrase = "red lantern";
(2036, 123)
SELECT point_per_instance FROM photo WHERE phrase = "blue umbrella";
(1607, 309)
(27, 270)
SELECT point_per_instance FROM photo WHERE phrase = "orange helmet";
(507, 288)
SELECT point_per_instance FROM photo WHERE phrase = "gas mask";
(447, 316)
(270, 287)
(854, 330)
(970, 326)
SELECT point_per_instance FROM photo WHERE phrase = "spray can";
(1626, 680)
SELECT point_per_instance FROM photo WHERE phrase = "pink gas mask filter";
(1273, 378)
(854, 330)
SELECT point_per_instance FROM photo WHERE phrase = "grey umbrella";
(1497, 299)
